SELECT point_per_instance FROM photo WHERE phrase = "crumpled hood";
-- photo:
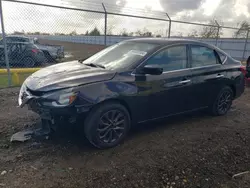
(64, 75)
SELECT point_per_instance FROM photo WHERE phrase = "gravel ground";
(188, 151)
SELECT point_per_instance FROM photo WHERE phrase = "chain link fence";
(46, 32)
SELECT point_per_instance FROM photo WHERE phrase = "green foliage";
(211, 31)
(242, 31)
(73, 33)
(95, 32)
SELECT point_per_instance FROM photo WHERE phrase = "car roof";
(20, 43)
(170, 41)
(17, 36)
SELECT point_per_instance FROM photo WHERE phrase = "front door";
(170, 92)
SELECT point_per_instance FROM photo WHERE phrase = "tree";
(95, 32)
(45, 33)
(144, 33)
(193, 33)
(211, 31)
(73, 33)
(131, 34)
(62, 34)
(180, 34)
(124, 33)
(159, 33)
(37, 33)
(110, 29)
(18, 32)
(148, 34)
(87, 32)
(243, 27)
(138, 33)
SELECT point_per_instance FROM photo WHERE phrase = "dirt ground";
(75, 50)
(187, 151)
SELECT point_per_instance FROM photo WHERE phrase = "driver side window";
(172, 58)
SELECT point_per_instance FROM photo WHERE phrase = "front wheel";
(223, 102)
(107, 125)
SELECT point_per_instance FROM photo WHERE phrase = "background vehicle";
(133, 82)
(22, 54)
(51, 52)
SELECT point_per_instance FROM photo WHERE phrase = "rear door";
(208, 74)
(15, 53)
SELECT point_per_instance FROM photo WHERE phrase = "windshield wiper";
(81, 60)
(94, 65)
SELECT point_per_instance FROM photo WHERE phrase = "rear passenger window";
(202, 56)
(222, 57)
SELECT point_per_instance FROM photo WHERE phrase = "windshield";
(121, 55)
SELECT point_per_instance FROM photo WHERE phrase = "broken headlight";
(60, 98)
(20, 97)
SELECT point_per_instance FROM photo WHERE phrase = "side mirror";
(152, 70)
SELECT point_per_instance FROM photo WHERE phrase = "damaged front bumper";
(36, 103)
(51, 118)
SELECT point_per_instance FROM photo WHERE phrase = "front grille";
(34, 105)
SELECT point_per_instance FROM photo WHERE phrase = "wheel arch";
(233, 89)
(27, 56)
(117, 100)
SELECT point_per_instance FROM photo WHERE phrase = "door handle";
(185, 81)
(219, 76)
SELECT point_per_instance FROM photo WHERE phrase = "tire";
(48, 57)
(107, 125)
(28, 62)
(223, 102)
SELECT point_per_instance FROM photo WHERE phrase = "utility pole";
(5, 45)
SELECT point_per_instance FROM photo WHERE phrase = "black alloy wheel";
(28, 62)
(223, 102)
(107, 125)
(111, 126)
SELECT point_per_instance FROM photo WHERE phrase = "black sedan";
(22, 54)
(132, 82)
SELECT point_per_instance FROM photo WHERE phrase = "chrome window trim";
(179, 70)
(162, 48)
(224, 59)
(191, 68)
(216, 51)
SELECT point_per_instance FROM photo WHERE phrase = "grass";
(4, 80)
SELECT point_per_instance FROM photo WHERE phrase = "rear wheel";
(107, 125)
(223, 102)
(48, 57)
(28, 62)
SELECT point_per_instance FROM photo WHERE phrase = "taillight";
(35, 50)
(243, 70)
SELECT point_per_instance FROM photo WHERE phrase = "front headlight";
(60, 98)
(20, 101)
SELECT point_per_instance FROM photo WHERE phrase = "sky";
(31, 18)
